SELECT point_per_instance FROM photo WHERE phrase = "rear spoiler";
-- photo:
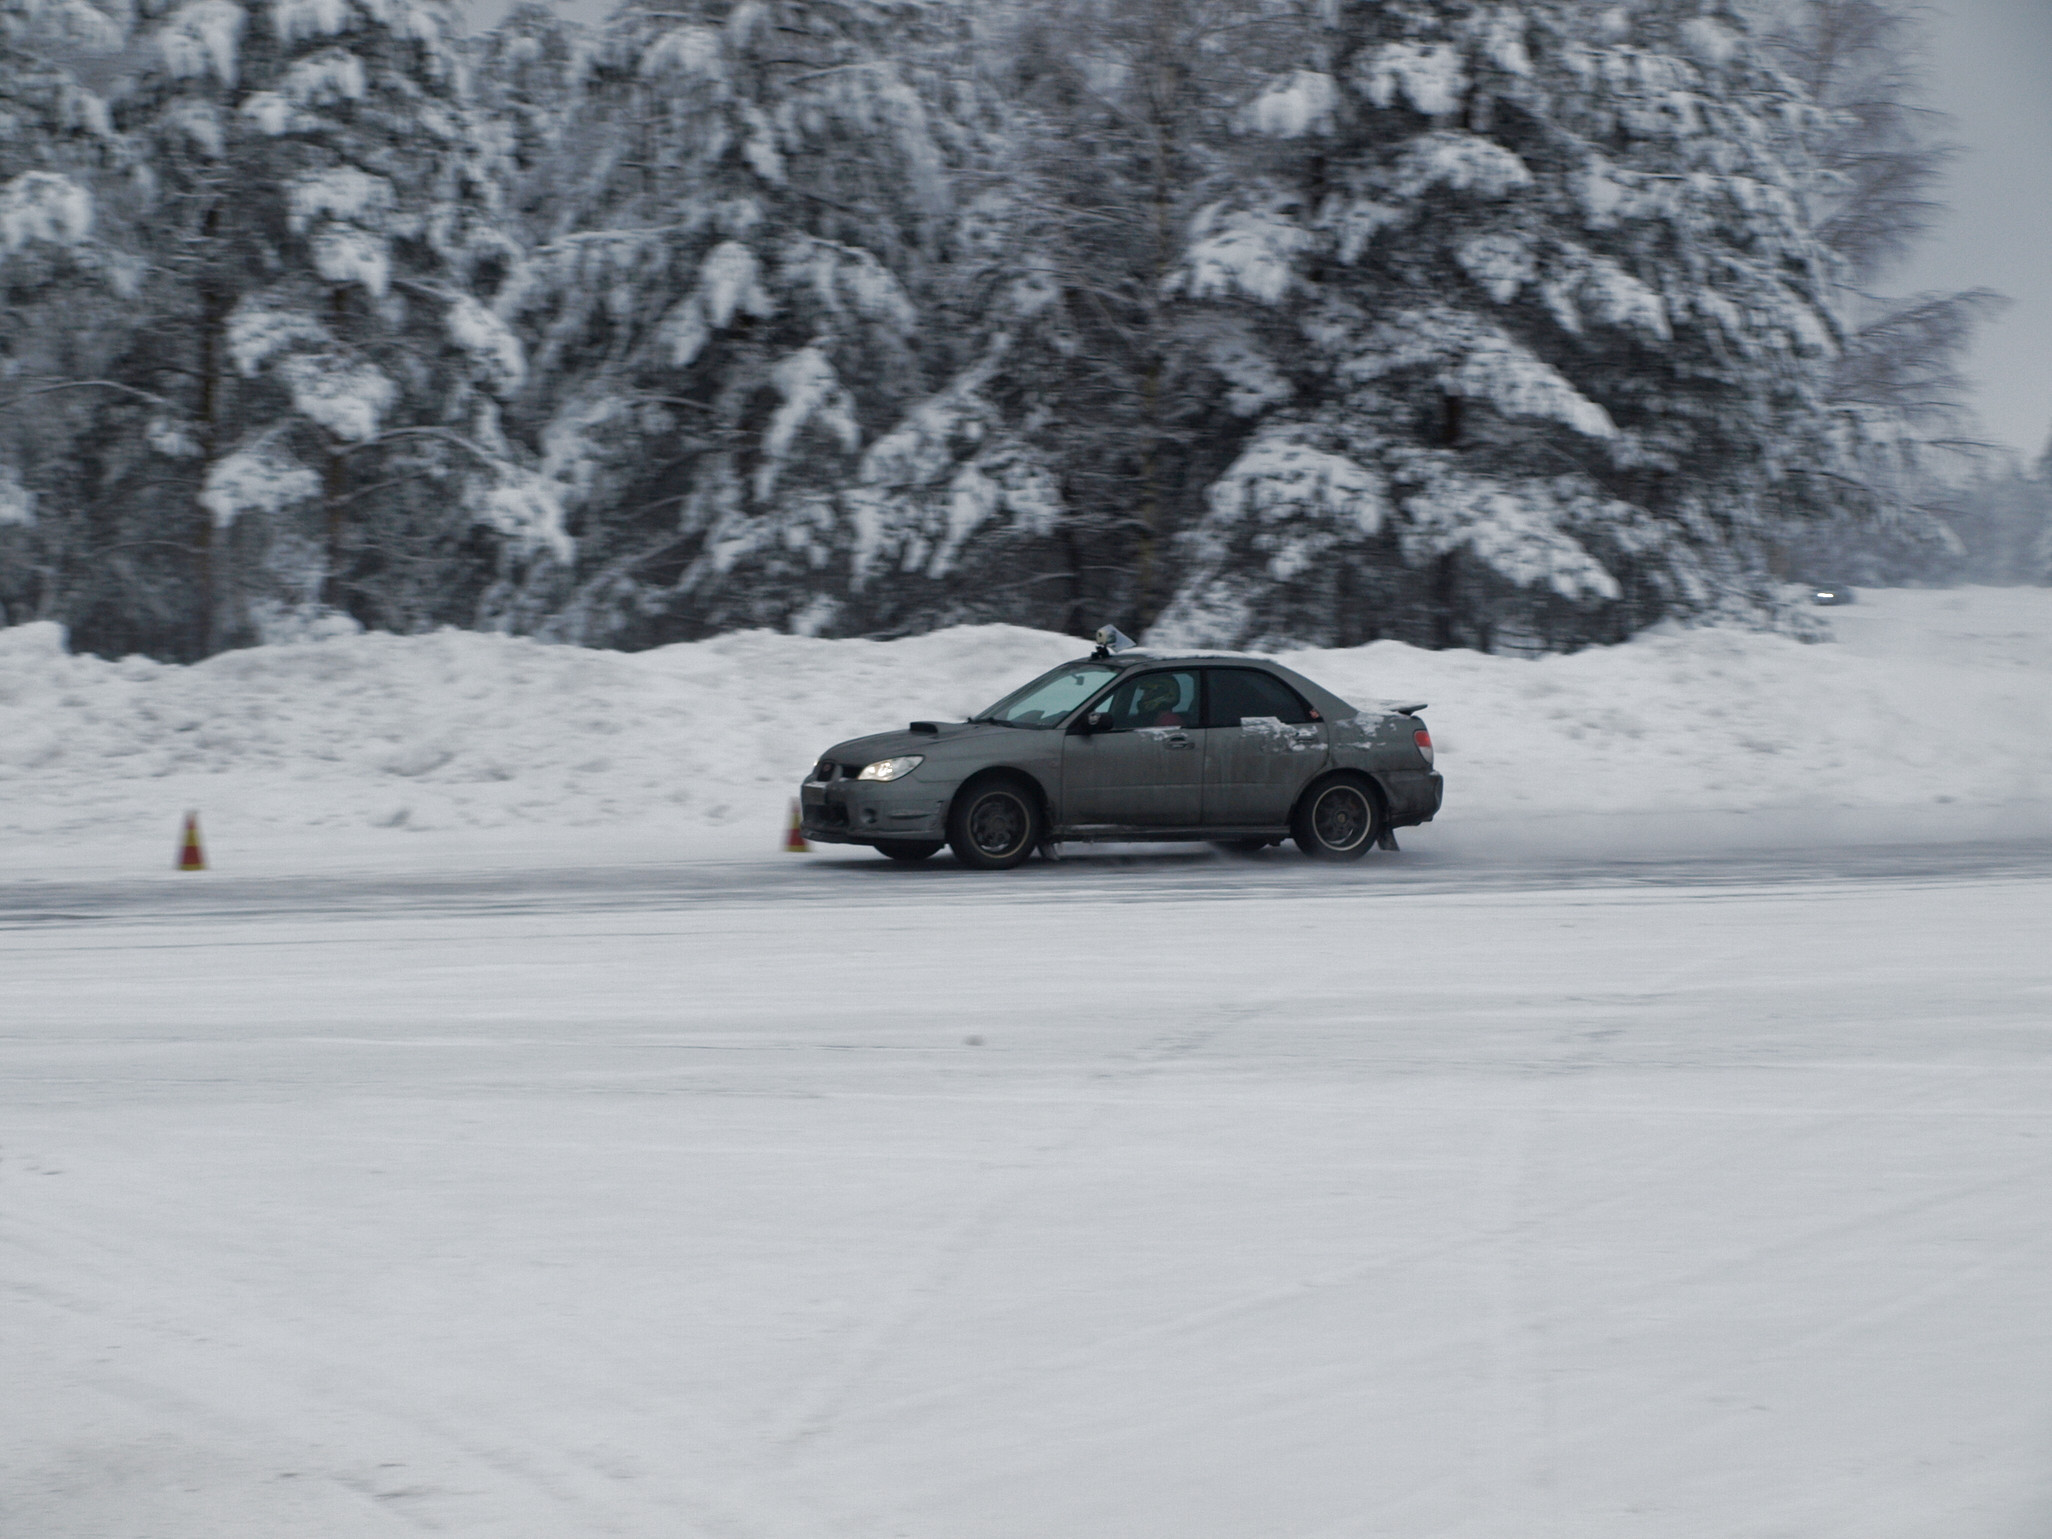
(1410, 710)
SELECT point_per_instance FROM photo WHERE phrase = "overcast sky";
(1992, 72)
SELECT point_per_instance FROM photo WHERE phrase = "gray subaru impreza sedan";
(1128, 745)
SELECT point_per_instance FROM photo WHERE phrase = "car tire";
(1241, 846)
(909, 849)
(1336, 818)
(994, 824)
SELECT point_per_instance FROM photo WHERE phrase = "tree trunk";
(214, 309)
(1445, 630)
(334, 487)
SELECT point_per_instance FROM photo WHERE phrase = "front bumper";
(864, 811)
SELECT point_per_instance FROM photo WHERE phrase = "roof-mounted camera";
(1111, 639)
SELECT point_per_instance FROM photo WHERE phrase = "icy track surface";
(1152, 1196)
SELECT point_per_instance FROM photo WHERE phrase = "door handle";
(1177, 742)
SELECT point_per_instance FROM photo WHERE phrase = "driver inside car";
(1155, 703)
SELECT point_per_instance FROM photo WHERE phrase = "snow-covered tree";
(1911, 438)
(1877, 146)
(530, 73)
(722, 309)
(2001, 524)
(1513, 323)
(1555, 330)
(1110, 116)
(315, 377)
(53, 127)
(1046, 483)
(56, 283)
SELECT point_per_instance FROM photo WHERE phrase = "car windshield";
(1049, 698)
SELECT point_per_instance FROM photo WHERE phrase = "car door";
(1262, 745)
(1144, 767)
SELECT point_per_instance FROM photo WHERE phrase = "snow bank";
(1931, 714)
(334, 748)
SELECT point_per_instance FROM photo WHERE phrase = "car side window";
(1242, 692)
(1153, 700)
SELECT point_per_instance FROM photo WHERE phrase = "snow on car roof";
(1148, 655)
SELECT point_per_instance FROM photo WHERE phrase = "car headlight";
(892, 769)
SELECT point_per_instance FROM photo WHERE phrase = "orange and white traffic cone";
(190, 856)
(794, 841)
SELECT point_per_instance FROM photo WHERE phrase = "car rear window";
(1241, 692)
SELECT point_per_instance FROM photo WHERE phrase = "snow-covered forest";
(1511, 326)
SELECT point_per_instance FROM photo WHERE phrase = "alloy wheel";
(1336, 820)
(1342, 817)
(999, 823)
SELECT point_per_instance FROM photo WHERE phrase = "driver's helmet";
(1157, 696)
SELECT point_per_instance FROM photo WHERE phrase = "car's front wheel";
(1335, 819)
(994, 824)
(909, 849)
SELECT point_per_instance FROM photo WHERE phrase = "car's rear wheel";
(994, 824)
(909, 849)
(1336, 818)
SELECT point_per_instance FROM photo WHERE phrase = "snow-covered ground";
(1156, 1199)
(1928, 718)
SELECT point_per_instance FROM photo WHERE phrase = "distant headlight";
(892, 769)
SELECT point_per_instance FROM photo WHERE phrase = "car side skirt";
(1106, 833)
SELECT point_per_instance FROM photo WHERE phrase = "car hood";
(892, 745)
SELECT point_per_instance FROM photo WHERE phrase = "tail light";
(1424, 741)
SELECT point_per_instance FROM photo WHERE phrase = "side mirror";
(1096, 721)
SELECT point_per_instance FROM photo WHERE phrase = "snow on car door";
(1261, 747)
